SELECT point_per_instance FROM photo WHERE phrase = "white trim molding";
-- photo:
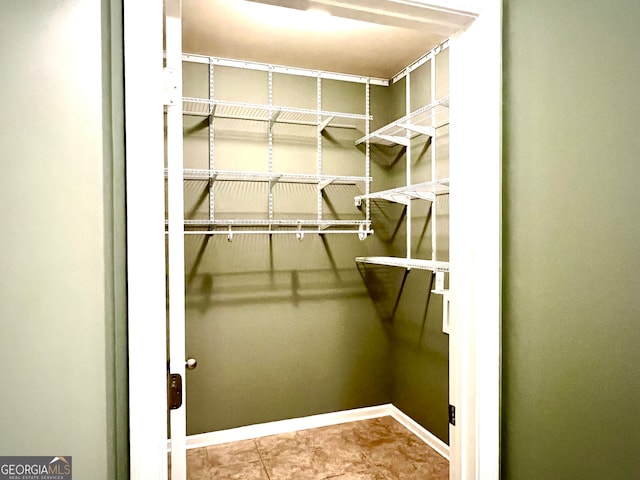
(418, 430)
(317, 421)
(475, 281)
(146, 302)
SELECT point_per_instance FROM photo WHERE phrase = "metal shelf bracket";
(325, 123)
(362, 233)
(398, 140)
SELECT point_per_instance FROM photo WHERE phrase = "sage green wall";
(420, 350)
(571, 369)
(61, 251)
(281, 328)
(284, 328)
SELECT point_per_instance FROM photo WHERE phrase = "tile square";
(294, 467)
(196, 462)
(239, 471)
(287, 444)
(366, 475)
(232, 453)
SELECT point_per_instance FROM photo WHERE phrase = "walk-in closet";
(307, 180)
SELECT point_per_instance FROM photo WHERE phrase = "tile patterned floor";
(376, 449)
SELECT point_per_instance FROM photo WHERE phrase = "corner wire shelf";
(423, 121)
(424, 191)
(272, 114)
(408, 263)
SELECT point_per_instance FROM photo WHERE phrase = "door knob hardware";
(191, 364)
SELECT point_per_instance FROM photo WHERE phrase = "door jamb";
(475, 245)
(146, 311)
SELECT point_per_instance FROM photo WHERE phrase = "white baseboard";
(315, 421)
(286, 426)
(418, 430)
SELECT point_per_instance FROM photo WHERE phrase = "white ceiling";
(375, 38)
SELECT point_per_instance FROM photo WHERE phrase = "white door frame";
(475, 75)
(144, 144)
(175, 237)
(475, 245)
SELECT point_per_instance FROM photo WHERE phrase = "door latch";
(174, 391)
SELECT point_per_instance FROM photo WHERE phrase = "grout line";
(264, 466)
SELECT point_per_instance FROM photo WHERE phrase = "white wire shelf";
(271, 177)
(362, 234)
(423, 121)
(424, 191)
(288, 70)
(272, 114)
(297, 223)
(261, 227)
(433, 265)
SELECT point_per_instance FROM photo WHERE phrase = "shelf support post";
(434, 170)
(211, 145)
(408, 160)
(367, 149)
(319, 137)
(270, 133)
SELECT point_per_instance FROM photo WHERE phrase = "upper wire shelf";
(432, 265)
(424, 191)
(269, 113)
(272, 177)
(423, 121)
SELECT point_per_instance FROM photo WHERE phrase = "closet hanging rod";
(286, 225)
(267, 226)
(249, 176)
(277, 232)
